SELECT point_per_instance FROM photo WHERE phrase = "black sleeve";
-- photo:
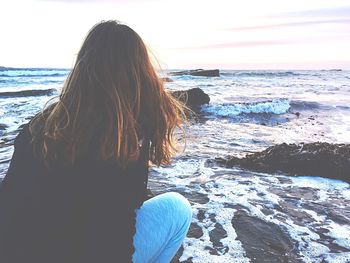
(15, 185)
(20, 162)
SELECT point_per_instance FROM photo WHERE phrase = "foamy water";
(249, 111)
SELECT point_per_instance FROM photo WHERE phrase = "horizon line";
(193, 68)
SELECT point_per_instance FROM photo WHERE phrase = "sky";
(184, 34)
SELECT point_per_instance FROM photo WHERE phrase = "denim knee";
(181, 207)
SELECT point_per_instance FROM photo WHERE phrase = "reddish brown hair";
(111, 98)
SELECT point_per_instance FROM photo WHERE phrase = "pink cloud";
(241, 44)
(292, 24)
(96, 1)
(336, 12)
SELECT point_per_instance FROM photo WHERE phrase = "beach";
(240, 215)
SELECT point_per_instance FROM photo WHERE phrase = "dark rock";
(160, 187)
(212, 251)
(196, 197)
(313, 159)
(166, 79)
(263, 241)
(149, 194)
(234, 206)
(267, 211)
(284, 180)
(177, 255)
(192, 97)
(25, 93)
(296, 193)
(212, 217)
(201, 215)
(3, 126)
(333, 212)
(298, 216)
(198, 72)
(216, 235)
(195, 231)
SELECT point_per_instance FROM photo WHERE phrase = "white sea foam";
(234, 96)
(253, 193)
(320, 183)
(340, 233)
(198, 249)
(276, 106)
(343, 257)
(34, 72)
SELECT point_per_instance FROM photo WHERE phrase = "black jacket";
(81, 214)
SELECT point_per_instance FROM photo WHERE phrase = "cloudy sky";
(227, 34)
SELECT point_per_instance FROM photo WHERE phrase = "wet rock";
(212, 251)
(212, 217)
(284, 180)
(178, 255)
(160, 188)
(192, 97)
(333, 212)
(198, 72)
(296, 193)
(3, 126)
(294, 212)
(263, 241)
(215, 236)
(25, 93)
(313, 159)
(201, 215)
(234, 206)
(149, 194)
(195, 197)
(195, 231)
(266, 211)
(166, 79)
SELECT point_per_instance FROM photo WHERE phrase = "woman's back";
(83, 212)
(78, 173)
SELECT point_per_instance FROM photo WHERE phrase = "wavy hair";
(111, 99)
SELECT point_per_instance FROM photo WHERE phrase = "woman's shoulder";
(23, 136)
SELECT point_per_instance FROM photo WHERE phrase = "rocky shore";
(192, 97)
(198, 72)
(242, 214)
(311, 159)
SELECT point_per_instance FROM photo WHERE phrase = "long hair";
(111, 99)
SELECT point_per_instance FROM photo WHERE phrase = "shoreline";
(291, 218)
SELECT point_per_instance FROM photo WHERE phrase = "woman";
(76, 185)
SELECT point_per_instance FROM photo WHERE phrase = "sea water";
(248, 111)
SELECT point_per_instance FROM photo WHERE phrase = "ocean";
(239, 215)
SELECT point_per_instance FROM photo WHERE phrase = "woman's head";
(111, 99)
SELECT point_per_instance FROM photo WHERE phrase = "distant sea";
(248, 111)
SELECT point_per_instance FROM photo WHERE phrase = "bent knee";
(179, 205)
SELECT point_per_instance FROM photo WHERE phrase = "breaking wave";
(34, 75)
(276, 106)
(267, 74)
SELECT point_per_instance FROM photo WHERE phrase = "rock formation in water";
(167, 79)
(3, 126)
(314, 159)
(198, 72)
(192, 97)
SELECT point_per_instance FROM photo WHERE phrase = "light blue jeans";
(162, 223)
